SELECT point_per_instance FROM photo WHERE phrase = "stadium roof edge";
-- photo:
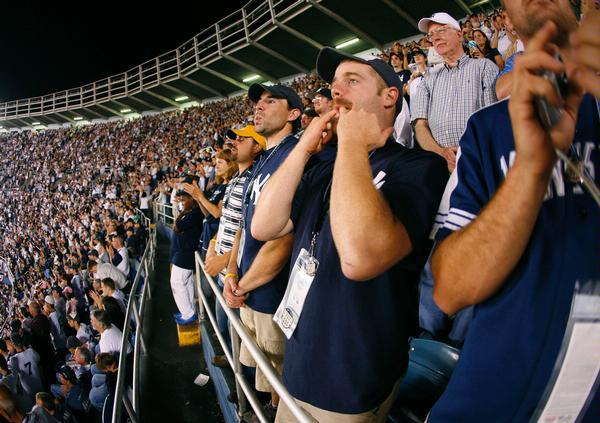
(266, 40)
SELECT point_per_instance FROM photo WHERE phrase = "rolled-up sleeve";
(419, 103)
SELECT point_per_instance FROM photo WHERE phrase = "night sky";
(48, 46)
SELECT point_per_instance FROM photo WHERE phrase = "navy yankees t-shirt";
(516, 334)
(266, 298)
(351, 343)
(184, 241)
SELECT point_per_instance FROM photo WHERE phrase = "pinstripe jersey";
(516, 334)
(25, 364)
(448, 96)
(231, 215)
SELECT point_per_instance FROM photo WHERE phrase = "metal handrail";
(161, 213)
(134, 313)
(233, 357)
(238, 331)
(238, 30)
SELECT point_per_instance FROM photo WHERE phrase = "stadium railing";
(242, 28)
(128, 395)
(238, 331)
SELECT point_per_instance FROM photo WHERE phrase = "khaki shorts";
(376, 415)
(270, 341)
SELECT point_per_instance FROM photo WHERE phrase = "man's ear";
(390, 96)
(293, 115)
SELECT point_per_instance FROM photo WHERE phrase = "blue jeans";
(222, 319)
(434, 320)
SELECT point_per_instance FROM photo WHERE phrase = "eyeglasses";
(440, 31)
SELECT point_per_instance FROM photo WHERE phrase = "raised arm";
(271, 218)
(470, 265)
(367, 235)
(205, 205)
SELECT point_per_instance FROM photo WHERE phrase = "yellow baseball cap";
(248, 131)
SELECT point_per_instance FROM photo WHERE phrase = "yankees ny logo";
(257, 187)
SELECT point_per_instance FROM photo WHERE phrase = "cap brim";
(424, 24)
(242, 133)
(329, 59)
(255, 91)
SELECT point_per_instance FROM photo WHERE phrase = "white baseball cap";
(50, 300)
(440, 18)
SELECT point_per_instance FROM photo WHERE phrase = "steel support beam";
(123, 105)
(108, 109)
(250, 68)
(225, 78)
(403, 13)
(344, 22)
(68, 119)
(299, 35)
(162, 98)
(179, 92)
(279, 57)
(93, 112)
(464, 6)
(49, 118)
(203, 86)
(140, 101)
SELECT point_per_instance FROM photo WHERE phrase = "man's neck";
(242, 166)
(452, 59)
(276, 138)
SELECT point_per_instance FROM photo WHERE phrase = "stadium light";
(126, 111)
(36, 123)
(251, 78)
(77, 118)
(347, 43)
(182, 98)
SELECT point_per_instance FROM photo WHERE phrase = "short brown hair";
(104, 361)
(46, 399)
(109, 283)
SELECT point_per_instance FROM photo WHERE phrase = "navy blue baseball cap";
(325, 92)
(329, 59)
(277, 91)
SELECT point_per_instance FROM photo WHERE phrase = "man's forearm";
(232, 265)
(272, 214)
(267, 264)
(425, 138)
(208, 207)
(472, 264)
(494, 40)
(367, 235)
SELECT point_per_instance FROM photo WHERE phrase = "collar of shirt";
(461, 60)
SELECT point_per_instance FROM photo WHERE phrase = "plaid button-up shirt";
(448, 96)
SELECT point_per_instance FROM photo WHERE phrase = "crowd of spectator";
(73, 199)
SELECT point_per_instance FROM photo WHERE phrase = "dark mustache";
(340, 102)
